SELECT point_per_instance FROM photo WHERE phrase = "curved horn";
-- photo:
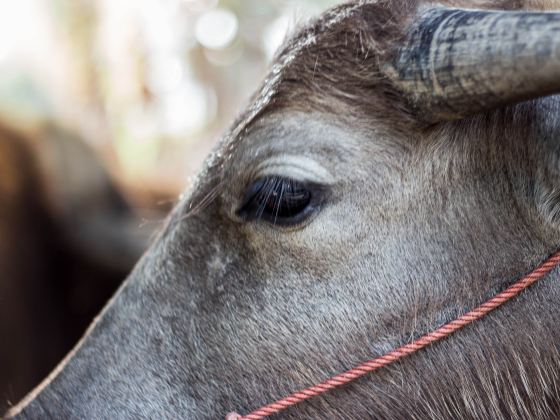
(458, 62)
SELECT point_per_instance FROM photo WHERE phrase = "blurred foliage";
(150, 84)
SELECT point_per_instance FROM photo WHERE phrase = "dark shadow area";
(68, 238)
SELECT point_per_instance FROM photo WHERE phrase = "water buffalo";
(398, 166)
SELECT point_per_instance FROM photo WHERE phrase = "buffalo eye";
(280, 201)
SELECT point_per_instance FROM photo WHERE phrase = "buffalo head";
(398, 166)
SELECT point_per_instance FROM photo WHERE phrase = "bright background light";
(216, 29)
(150, 84)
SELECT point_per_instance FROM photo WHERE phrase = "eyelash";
(280, 201)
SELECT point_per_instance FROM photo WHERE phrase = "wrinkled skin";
(415, 227)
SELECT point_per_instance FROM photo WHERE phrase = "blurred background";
(107, 110)
(149, 84)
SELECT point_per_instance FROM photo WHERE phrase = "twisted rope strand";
(438, 334)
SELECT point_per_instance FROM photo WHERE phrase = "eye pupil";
(277, 200)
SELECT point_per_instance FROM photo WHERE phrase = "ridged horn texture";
(456, 62)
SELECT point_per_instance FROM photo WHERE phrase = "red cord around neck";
(341, 379)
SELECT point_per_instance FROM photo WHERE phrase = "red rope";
(407, 349)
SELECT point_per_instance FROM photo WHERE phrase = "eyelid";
(301, 168)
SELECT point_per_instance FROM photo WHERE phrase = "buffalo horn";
(457, 62)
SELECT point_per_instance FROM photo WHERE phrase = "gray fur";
(423, 222)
